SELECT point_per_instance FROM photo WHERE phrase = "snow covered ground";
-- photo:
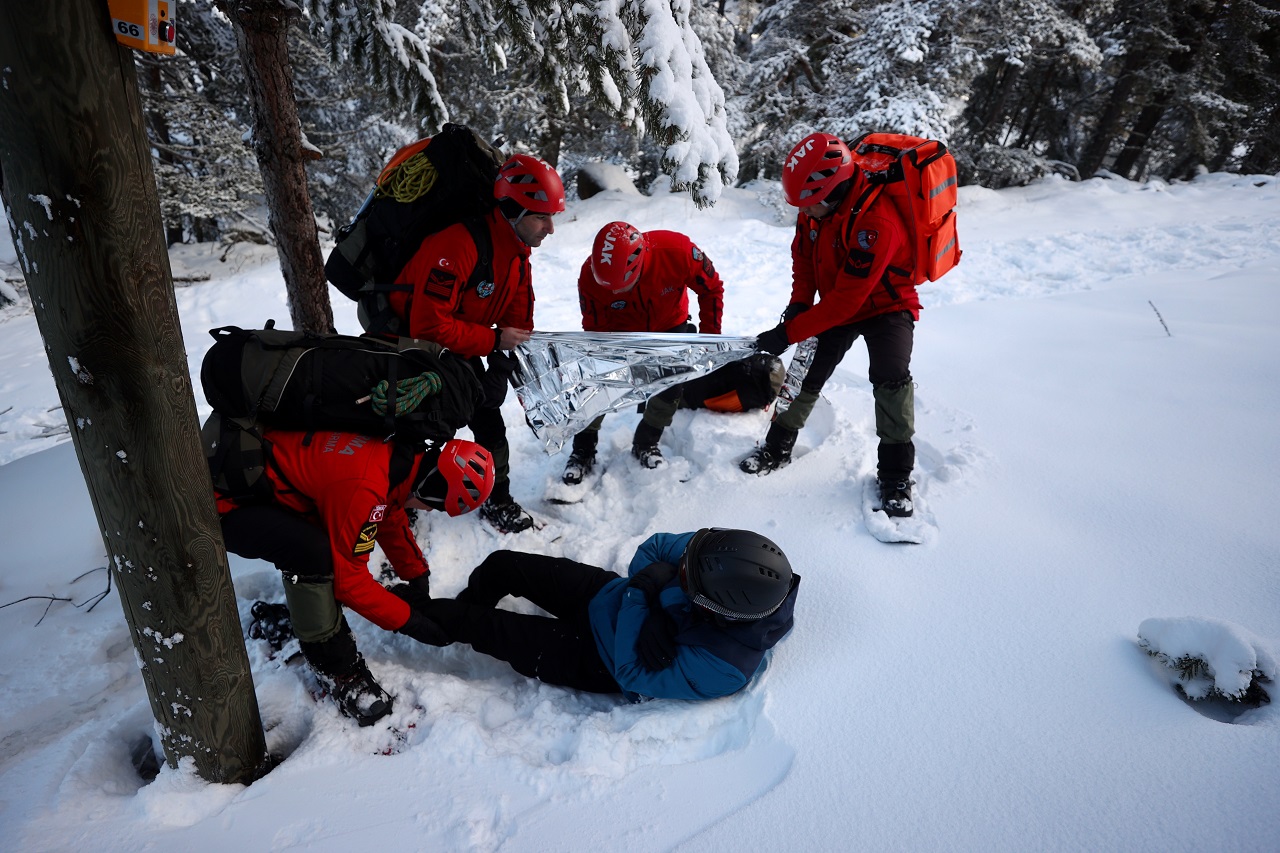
(1088, 471)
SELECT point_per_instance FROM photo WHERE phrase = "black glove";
(773, 341)
(424, 630)
(795, 309)
(656, 642)
(652, 578)
(416, 593)
(495, 380)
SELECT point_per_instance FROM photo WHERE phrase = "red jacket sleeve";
(803, 278)
(518, 313)
(705, 282)
(353, 512)
(395, 537)
(592, 320)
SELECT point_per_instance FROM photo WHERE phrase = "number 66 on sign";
(143, 24)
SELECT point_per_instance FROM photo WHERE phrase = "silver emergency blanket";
(565, 380)
(799, 369)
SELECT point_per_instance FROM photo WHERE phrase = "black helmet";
(735, 573)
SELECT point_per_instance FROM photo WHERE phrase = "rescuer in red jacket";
(640, 282)
(857, 265)
(487, 321)
(336, 495)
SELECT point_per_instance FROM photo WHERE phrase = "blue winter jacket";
(711, 660)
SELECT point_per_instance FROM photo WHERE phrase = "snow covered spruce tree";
(1021, 119)
(638, 61)
(1188, 84)
(207, 175)
(850, 67)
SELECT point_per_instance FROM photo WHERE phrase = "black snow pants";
(557, 649)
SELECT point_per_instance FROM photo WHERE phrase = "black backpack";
(426, 187)
(300, 381)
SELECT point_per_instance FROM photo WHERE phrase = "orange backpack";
(919, 177)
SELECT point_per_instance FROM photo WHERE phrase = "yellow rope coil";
(409, 181)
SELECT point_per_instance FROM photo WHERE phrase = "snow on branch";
(687, 102)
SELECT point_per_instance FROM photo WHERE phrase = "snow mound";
(1210, 657)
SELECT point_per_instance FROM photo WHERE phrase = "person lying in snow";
(692, 621)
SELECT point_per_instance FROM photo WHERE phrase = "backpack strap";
(374, 298)
(864, 202)
(375, 301)
(403, 457)
(478, 228)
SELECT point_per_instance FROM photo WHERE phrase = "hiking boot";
(357, 694)
(271, 623)
(644, 446)
(895, 498)
(764, 460)
(649, 456)
(506, 515)
(773, 454)
(578, 466)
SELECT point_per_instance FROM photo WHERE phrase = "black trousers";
(889, 339)
(300, 550)
(487, 426)
(557, 649)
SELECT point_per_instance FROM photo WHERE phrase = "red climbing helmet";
(617, 256)
(458, 480)
(815, 167)
(530, 183)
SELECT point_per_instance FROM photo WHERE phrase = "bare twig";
(97, 598)
(50, 598)
(1161, 319)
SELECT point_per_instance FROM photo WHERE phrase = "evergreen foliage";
(1018, 89)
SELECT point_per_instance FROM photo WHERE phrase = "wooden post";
(75, 173)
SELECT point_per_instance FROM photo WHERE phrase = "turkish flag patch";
(440, 283)
(867, 239)
(378, 513)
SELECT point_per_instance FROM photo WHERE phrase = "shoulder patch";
(440, 283)
(365, 539)
(858, 264)
(867, 239)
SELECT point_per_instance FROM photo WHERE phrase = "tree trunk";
(75, 172)
(1108, 125)
(1140, 134)
(262, 28)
